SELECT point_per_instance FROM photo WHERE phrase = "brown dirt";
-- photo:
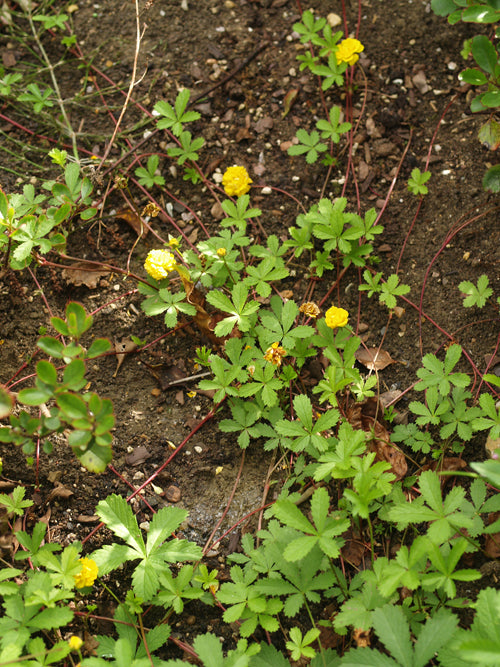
(189, 48)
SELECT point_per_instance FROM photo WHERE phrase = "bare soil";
(411, 100)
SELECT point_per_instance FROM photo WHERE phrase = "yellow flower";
(88, 574)
(221, 252)
(347, 51)
(310, 308)
(236, 181)
(75, 643)
(275, 354)
(159, 263)
(336, 317)
(173, 242)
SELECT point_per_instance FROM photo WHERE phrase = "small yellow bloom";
(275, 354)
(336, 317)
(173, 242)
(191, 394)
(347, 51)
(88, 574)
(159, 263)
(310, 308)
(236, 181)
(75, 643)
(221, 252)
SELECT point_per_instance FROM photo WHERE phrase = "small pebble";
(266, 191)
(173, 494)
(198, 449)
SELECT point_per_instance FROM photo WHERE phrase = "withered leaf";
(59, 491)
(84, 273)
(123, 347)
(289, 101)
(138, 456)
(133, 220)
(492, 541)
(373, 358)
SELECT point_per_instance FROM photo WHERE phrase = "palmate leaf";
(119, 518)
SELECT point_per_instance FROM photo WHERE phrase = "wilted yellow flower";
(88, 574)
(236, 181)
(310, 308)
(336, 317)
(151, 209)
(347, 51)
(275, 354)
(221, 252)
(159, 263)
(75, 643)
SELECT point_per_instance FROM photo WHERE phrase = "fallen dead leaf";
(353, 549)
(373, 358)
(361, 637)
(263, 125)
(492, 542)
(84, 273)
(133, 220)
(123, 347)
(59, 491)
(138, 456)
(390, 397)
(491, 445)
(289, 101)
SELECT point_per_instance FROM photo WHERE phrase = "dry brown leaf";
(138, 456)
(84, 273)
(59, 491)
(492, 542)
(369, 416)
(386, 451)
(133, 220)
(123, 347)
(263, 124)
(361, 637)
(353, 549)
(373, 358)
(390, 397)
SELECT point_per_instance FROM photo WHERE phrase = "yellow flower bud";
(75, 643)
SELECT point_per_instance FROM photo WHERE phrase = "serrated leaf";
(119, 518)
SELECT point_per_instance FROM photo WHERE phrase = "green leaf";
(491, 179)
(392, 629)
(119, 518)
(72, 405)
(165, 522)
(289, 514)
(34, 396)
(51, 346)
(473, 76)
(209, 649)
(436, 633)
(484, 53)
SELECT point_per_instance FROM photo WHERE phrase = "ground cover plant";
(256, 321)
